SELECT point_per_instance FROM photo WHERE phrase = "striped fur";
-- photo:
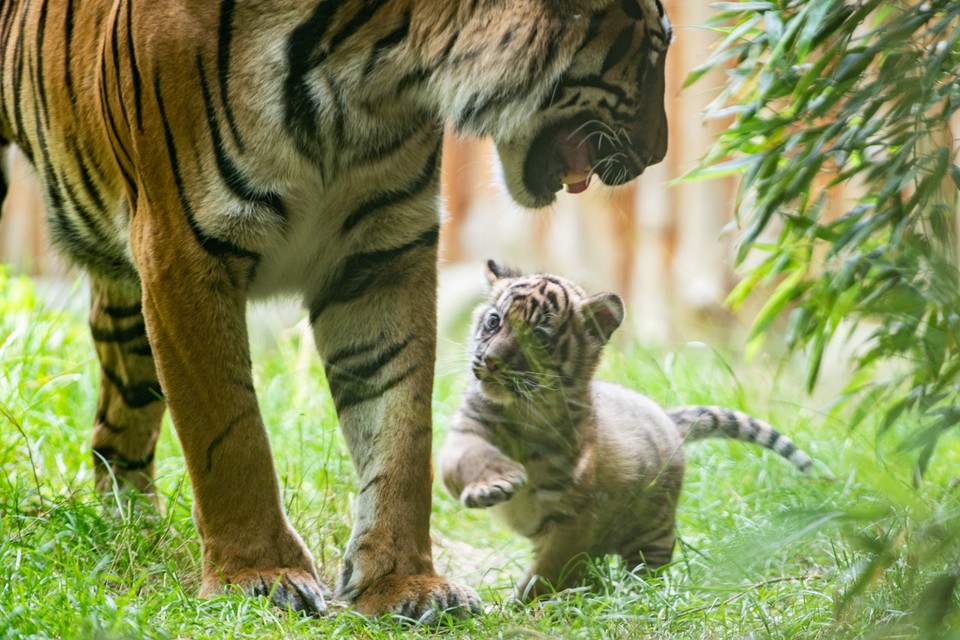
(699, 422)
(582, 468)
(195, 154)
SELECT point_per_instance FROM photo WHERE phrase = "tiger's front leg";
(376, 332)
(194, 302)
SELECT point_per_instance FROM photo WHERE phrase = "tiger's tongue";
(575, 152)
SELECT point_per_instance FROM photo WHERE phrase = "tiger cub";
(582, 468)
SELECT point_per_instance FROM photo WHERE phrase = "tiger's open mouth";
(568, 154)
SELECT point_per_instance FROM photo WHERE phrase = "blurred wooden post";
(23, 238)
(700, 210)
(457, 184)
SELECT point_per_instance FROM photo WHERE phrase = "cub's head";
(538, 334)
(569, 89)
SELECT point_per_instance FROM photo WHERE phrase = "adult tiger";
(195, 154)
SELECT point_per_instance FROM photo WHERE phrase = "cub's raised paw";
(421, 598)
(296, 589)
(493, 490)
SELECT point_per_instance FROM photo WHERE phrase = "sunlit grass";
(763, 551)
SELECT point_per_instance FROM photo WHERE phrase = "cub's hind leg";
(130, 405)
(562, 546)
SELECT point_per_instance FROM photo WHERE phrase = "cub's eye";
(492, 323)
(543, 334)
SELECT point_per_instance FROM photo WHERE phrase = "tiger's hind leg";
(130, 405)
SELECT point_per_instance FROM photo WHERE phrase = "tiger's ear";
(495, 272)
(604, 313)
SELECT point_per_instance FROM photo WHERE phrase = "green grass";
(763, 551)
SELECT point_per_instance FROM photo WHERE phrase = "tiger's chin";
(564, 156)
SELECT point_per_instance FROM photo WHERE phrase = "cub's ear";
(604, 313)
(495, 272)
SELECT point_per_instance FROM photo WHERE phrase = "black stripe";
(113, 132)
(372, 482)
(104, 335)
(299, 110)
(117, 311)
(354, 394)
(65, 235)
(787, 450)
(115, 54)
(67, 48)
(18, 83)
(412, 79)
(119, 461)
(704, 414)
(6, 21)
(39, 86)
(352, 352)
(632, 9)
(220, 437)
(229, 172)
(392, 198)
(340, 108)
(619, 49)
(224, 39)
(136, 395)
(143, 349)
(211, 244)
(134, 70)
(598, 83)
(360, 373)
(389, 41)
(362, 271)
(359, 19)
(383, 147)
(90, 187)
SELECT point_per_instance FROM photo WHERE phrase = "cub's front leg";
(375, 328)
(474, 470)
(194, 303)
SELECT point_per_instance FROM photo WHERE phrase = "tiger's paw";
(493, 489)
(291, 588)
(420, 598)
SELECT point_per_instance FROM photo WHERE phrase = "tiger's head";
(539, 335)
(582, 94)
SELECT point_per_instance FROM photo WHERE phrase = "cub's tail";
(699, 422)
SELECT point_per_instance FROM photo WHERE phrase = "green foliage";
(859, 94)
(855, 93)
